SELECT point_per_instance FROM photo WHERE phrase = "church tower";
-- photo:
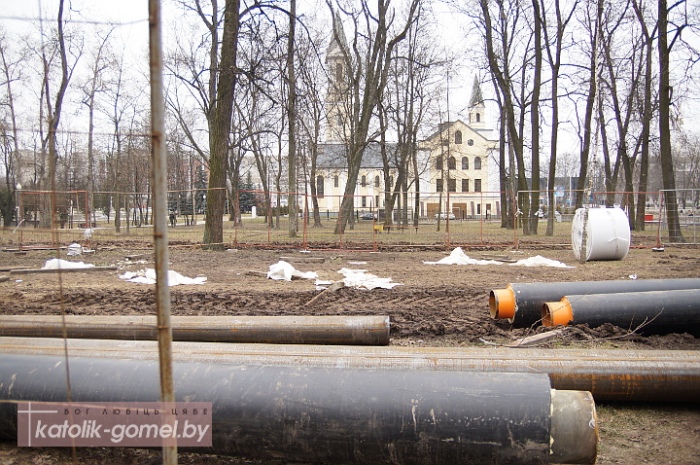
(337, 94)
(477, 108)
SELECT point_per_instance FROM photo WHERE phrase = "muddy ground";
(436, 305)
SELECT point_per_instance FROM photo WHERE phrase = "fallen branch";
(332, 288)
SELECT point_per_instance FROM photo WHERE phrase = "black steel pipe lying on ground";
(521, 303)
(655, 312)
(611, 375)
(336, 415)
(342, 329)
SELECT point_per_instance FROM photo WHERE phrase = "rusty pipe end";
(557, 313)
(574, 427)
(502, 303)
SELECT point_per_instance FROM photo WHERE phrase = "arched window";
(376, 181)
(438, 163)
(458, 137)
(451, 163)
(478, 117)
(477, 163)
(363, 182)
(335, 181)
(319, 186)
(339, 71)
(465, 163)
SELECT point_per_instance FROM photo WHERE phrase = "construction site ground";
(435, 305)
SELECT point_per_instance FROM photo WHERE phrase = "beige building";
(455, 162)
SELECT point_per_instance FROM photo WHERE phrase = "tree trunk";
(665, 154)
(220, 127)
(291, 115)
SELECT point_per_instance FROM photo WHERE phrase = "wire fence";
(469, 220)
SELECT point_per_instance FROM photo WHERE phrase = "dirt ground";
(436, 305)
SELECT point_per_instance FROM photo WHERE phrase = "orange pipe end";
(557, 313)
(502, 303)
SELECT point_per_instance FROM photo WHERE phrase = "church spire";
(477, 97)
(337, 55)
(476, 106)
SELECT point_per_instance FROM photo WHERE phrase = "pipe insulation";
(346, 330)
(336, 415)
(600, 234)
(521, 303)
(611, 375)
(654, 312)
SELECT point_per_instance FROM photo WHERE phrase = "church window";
(458, 137)
(477, 185)
(335, 181)
(478, 117)
(376, 181)
(438, 163)
(465, 163)
(477, 163)
(465, 185)
(319, 186)
(363, 182)
(438, 185)
(339, 71)
(451, 163)
(452, 185)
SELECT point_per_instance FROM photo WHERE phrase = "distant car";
(368, 216)
(445, 216)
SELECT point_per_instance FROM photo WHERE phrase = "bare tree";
(212, 87)
(53, 108)
(367, 77)
(9, 146)
(292, 119)
(100, 62)
(310, 109)
(593, 24)
(408, 100)
(647, 112)
(665, 98)
(499, 43)
(623, 67)
(554, 47)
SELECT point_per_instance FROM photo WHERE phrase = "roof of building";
(485, 133)
(334, 156)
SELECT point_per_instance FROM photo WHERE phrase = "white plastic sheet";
(539, 260)
(360, 279)
(284, 271)
(458, 257)
(58, 264)
(148, 276)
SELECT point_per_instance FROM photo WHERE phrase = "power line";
(40, 19)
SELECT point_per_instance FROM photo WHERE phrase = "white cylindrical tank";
(600, 234)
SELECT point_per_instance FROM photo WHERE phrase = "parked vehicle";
(368, 216)
(444, 216)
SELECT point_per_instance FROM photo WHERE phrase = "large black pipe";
(655, 312)
(611, 375)
(521, 303)
(335, 415)
(291, 329)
